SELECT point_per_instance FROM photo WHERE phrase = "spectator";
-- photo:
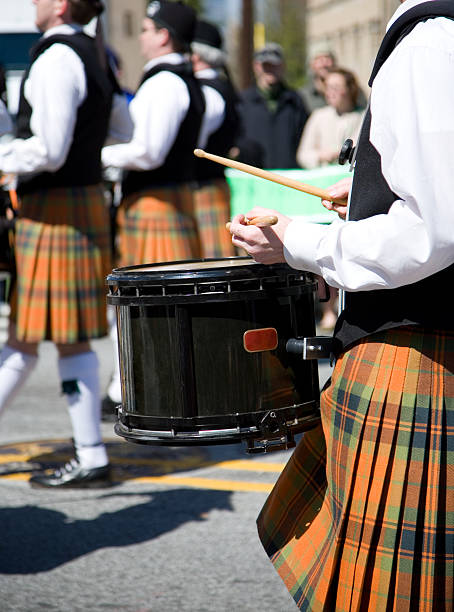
(313, 93)
(328, 127)
(272, 114)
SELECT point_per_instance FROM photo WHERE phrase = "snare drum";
(202, 348)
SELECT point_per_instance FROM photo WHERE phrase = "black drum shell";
(186, 375)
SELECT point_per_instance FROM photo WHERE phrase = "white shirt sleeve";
(213, 116)
(413, 130)
(157, 110)
(55, 88)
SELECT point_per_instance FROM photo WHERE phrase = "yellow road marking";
(207, 483)
(197, 483)
(236, 464)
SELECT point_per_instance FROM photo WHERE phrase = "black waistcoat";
(422, 303)
(179, 165)
(83, 163)
(223, 139)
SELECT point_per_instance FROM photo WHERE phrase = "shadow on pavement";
(36, 539)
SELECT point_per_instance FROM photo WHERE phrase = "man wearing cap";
(273, 115)
(156, 219)
(218, 132)
(62, 232)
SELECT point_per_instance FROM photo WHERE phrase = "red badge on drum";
(259, 340)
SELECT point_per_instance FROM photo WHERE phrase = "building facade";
(351, 29)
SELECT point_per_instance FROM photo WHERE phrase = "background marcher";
(218, 133)
(62, 240)
(156, 219)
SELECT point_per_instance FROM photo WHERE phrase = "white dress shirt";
(412, 128)
(214, 114)
(158, 109)
(55, 88)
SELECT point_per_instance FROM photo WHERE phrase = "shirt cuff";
(301, 243)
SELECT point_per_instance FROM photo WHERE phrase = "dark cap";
(207, 34)
(271, 53)
(176, 17)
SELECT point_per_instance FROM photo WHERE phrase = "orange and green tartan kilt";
(212, 211)
(375, 532)
(62, 257)
(158, 225)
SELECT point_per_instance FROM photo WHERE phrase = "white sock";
(15, 368)
(114, 388)
(80, 381)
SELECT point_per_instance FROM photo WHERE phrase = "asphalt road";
(176, 533)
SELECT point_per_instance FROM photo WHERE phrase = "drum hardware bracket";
(317, 347)
(276, 436)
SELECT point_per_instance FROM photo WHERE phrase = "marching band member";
(362, 516)
(156, 219)
(218, 135)
(62, 241)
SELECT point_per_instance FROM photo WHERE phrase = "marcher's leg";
(78, 368)
(17, 361)
(113, 395)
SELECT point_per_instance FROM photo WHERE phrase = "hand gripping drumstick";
(264, 221)
(270, 176)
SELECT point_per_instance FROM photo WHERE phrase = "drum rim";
(251, 269)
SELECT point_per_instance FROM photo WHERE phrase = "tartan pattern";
(157, 225)
(62, 256)
(383, 536)
(212, 211)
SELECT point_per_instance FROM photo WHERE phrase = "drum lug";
(283, 442)
(317, 347)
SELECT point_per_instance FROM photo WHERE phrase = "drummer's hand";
(339, 190)
(264, 244)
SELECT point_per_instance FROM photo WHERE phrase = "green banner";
(248, 191)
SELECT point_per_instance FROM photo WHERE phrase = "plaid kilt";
(62, 257)
(378, 533)
(157, 225)
(212, 211)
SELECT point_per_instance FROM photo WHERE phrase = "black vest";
(83, 163)
(221, 141)
(422, 303)
(179, 165)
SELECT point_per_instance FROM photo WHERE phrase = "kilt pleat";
(158, 225)
(212, 211)
(62, 257)
(378, 533)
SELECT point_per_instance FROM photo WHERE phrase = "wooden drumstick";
(264, 221)
(270, 176)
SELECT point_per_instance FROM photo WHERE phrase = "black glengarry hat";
(176, 17)
(207, 34)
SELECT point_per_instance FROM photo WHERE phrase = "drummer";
(378, 534)
(218, 134)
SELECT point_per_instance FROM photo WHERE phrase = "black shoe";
(108, 410)
(73, 475)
